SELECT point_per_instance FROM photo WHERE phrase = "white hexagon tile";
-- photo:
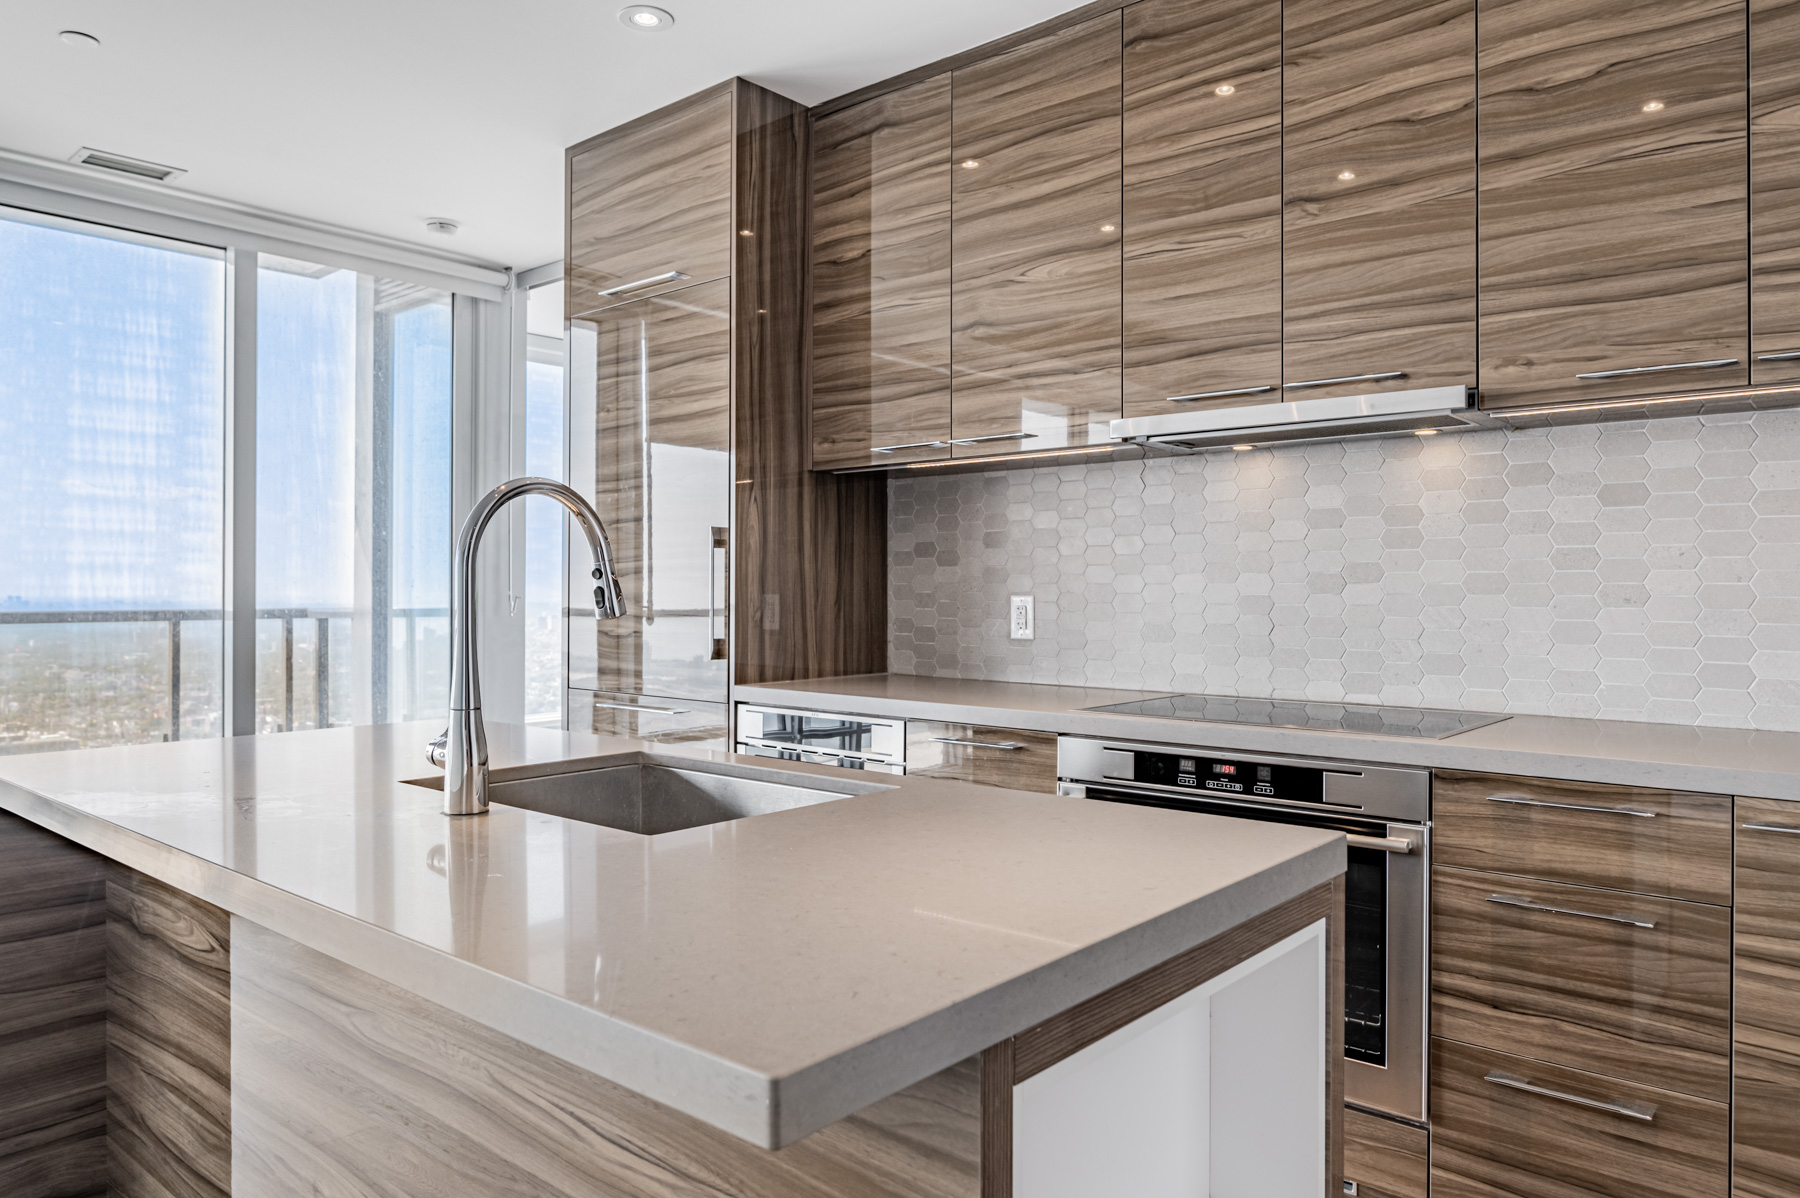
(1637, 571)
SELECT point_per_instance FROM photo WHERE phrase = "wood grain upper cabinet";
(1379, 195)
(1035, 329)
(650, 204)
(1613, 213)
(881, 279)
(1775, 191)
(1202, 204)
(1766, 1079)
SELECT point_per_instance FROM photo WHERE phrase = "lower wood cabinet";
(1766, 1036)
(664, 721)
(1507, 1127)
(1385, 1159)
(1008, 757)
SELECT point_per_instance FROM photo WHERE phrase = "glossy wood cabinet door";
(1035, 244)
(1774, 191)
(1378, 126)
(1766, 1081)
(650, 201)
(661, 410)
(1617, 984)
(1385, 1159)
(1008, 757)
(1202, 204)
(1613, 206)
(881, 279)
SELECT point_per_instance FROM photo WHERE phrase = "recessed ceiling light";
(1425, 432)
(1346, 176)
(969, 164)
(1242, 448)
(74, 37)
(1224, 89)
(1653, 106)
(1108, 228)
(746, 233)
(442, 226)
(645, 18)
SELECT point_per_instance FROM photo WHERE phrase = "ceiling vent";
(126, 166)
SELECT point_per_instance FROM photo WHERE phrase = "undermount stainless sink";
(650, 796)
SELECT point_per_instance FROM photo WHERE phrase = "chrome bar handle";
(994, 437)
(1220, 394)
(1513, 900)
(1522, 801)
(1008, 745)
(672, 276)
(1384, 376)
(911, 445)
(1788, 355)
(1626, 372)
(1631, 1110)
(1387, 844)
(1770, 828)
(643, 707)
(719, 553)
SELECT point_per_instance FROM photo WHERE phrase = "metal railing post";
(175, 678)
(322, 671)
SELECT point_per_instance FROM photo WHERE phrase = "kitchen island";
(271, 966)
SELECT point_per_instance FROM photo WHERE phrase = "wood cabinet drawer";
(1008, 757)
(1506, 1127)
(1383, 1158)
(1766, 1083)
(1663, 842)
(1617, 984)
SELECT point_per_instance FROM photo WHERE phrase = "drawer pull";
(994, 437)
(1220, 394)
(1788, 355)
(644, 707)
(1387, 844)
(1771, 828)
(1008, 745)
(673, 276)
(1522, 801)
(1631, 1110)
(1383, 377)
(910, 445)
(1628, 371)
(1513, 900)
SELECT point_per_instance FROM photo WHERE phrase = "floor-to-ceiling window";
(112, 406)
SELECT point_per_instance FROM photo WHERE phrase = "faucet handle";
(436, 751)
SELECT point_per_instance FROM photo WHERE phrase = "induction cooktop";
(1424, 723)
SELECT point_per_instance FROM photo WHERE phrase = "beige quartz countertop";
(1676, 757)
(768, 975)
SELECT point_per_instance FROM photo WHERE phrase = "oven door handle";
(1387, 844)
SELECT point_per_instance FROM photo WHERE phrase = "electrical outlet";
(1023, 624)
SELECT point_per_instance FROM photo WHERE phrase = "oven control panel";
(1233, 779)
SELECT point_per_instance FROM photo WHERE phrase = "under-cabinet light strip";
(1685, 397)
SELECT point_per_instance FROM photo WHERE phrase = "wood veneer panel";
(52, 1015)
(1379, 268)
(1031, 765)
(997, 1072)
(1611, 237)
(1384, 1158)
(1648, 1004)
(1036, 332)
(1774, 188)
(1766, 1035)
(1202, 252)
(168, 1069)
(1493, 1141)
(881, 278)
(649, 197)
(1680, 849)
(348, 1085)
(809, 571)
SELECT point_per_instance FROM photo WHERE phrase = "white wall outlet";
(1023, 623)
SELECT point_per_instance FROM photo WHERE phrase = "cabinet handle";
(1008, 745)
(644, 707)
(1220, 394)
(667, 277)
(910, 445)
(719, 554)
(1387, 844)
(1383, 377)
(1522, 801)
(1709, 364)
(1787, 355)
(1513, 900)
(1631, 1110)
(1770, 828)
(994, 437)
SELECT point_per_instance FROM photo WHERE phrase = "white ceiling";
(376, 114)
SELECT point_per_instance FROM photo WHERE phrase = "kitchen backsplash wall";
(1638, 571)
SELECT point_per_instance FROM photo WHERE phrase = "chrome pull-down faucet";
(462, 749)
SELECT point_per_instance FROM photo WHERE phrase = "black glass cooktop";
(1424, 723)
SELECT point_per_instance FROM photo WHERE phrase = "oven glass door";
(817, 730)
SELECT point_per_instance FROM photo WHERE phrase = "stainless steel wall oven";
(1384, 811)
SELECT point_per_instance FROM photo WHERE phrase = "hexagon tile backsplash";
(1638, 571)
